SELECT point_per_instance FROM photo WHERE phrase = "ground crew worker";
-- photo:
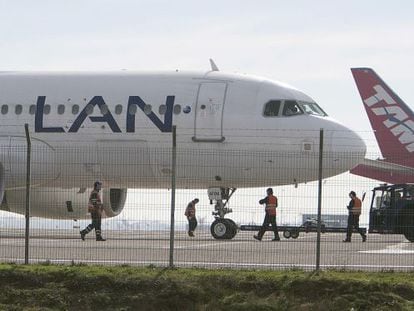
(190, 212)
(354, 211)
(270, 217)
(95, 207)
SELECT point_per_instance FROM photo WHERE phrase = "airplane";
(233, 131)
(393, 124)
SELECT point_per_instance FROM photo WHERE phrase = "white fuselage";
(215, 114)
(116, 127)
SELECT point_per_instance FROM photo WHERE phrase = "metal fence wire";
(136, 194)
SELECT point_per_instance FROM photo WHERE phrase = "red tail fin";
(391, 119)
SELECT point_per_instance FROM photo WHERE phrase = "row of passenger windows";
(287, 108)
(18, 109)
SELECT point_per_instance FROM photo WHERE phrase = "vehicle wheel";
(294, 234)
(408, 223)
(323, 228)
(286, 234)
(221, 229)
(409, 235)
(232, 229)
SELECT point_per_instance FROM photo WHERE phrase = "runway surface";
(143, 248)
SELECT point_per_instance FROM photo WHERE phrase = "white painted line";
(388, 251)
(206, 245)
(392, 249)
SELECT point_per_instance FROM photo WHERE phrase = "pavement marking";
(392, 249)
(205, 245)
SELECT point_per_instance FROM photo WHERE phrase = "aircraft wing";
(384, 171)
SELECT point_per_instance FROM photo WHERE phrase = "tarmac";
(152, 248)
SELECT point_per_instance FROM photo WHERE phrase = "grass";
(80, 287)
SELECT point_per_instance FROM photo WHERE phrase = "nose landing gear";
(222, 228)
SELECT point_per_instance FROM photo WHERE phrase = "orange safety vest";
(271, 205)
(356, 209)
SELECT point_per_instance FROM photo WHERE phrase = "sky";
(308, 44)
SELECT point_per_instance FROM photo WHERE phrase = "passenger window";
(18, 109)
(89, 109)
(104, 109)
(291, 108)
(61, 109)
(147, 109)
(46, 109)
(118, 109)
(32, 109)
(75, 109)
(132, 109)
(177, 109)
(162, 109)
(4, 109)
(272, 108)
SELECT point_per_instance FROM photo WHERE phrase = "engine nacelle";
(114, 201)
(59, 203)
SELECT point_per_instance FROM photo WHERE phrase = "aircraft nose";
(347, 147)
(346, 140)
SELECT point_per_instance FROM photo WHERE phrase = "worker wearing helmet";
(354, 211)
(270, 217)
(95, 208)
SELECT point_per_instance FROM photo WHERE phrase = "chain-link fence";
(136, 196)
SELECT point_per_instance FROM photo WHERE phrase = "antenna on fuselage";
(213, 65)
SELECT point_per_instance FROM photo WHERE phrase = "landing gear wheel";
(232, 229)
(286, 234)
(223, 228)
(294, 234)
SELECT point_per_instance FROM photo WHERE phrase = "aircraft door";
(208, 123)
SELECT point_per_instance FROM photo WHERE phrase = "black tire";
(407, 221)
(294, 234)
(286, 234)
(223, 229)
(409, 235)
(232, 229)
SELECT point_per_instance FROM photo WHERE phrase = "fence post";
(28, 176)
(318, 239)
(172, 221)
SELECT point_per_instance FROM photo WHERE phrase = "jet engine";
(58, 203)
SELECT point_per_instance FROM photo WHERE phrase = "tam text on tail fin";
(391, 119)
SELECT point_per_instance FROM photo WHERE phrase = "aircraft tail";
(391, 119)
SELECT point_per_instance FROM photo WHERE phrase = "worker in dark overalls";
(95, 207)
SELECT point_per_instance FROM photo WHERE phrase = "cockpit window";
(272, 108)
(313, 108)
(291, 108)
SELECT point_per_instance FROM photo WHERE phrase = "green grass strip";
(80, 287)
